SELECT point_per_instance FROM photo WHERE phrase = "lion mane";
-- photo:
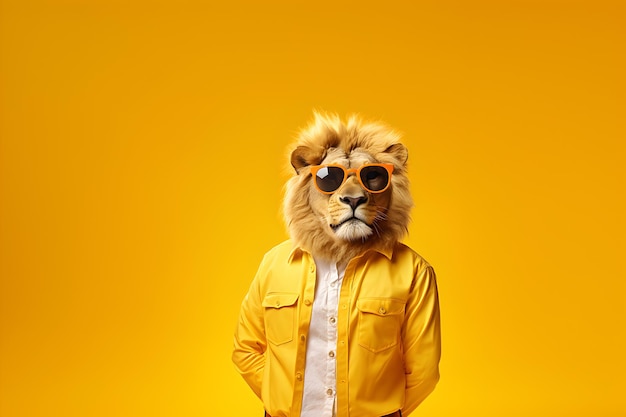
(311, 217)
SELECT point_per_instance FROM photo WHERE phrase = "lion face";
(351, 212)
(357, 214)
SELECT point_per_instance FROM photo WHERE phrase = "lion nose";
(353, 202)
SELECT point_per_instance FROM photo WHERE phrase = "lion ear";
(303, 156)
(399, 152)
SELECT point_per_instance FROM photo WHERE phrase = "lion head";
(350, 192)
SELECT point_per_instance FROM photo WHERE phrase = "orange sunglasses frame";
(348, 171)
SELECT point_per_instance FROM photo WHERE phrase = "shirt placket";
(333, 283)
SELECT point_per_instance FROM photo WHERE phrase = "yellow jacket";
(388, 334)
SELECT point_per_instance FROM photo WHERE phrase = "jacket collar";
(297, 252)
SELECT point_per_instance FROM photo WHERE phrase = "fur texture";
(327, 225)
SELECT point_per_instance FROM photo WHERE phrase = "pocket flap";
(381, 306)
(281, 299)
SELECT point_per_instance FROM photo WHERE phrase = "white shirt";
(320, 382)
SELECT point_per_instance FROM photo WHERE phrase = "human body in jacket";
(342, 320)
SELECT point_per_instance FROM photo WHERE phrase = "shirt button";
(307, 302)
(332, 284)
(329, 392)
(331, 354)
(332, 320)
(299, 376)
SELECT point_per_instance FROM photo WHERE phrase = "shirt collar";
(297, 251)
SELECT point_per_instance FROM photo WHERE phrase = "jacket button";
(307, 302)
(299, 376)
(382, 310)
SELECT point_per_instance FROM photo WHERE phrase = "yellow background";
(143, 151)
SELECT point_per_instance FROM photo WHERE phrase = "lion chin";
(352, 229)
(350, 220)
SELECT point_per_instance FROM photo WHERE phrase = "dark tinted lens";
(374, 178)
(329, 178)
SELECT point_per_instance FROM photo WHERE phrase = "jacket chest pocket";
(280, 317)
(380, 321)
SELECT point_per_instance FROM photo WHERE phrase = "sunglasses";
(375, 178)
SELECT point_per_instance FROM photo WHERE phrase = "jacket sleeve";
(249, 342)
(421, 336)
